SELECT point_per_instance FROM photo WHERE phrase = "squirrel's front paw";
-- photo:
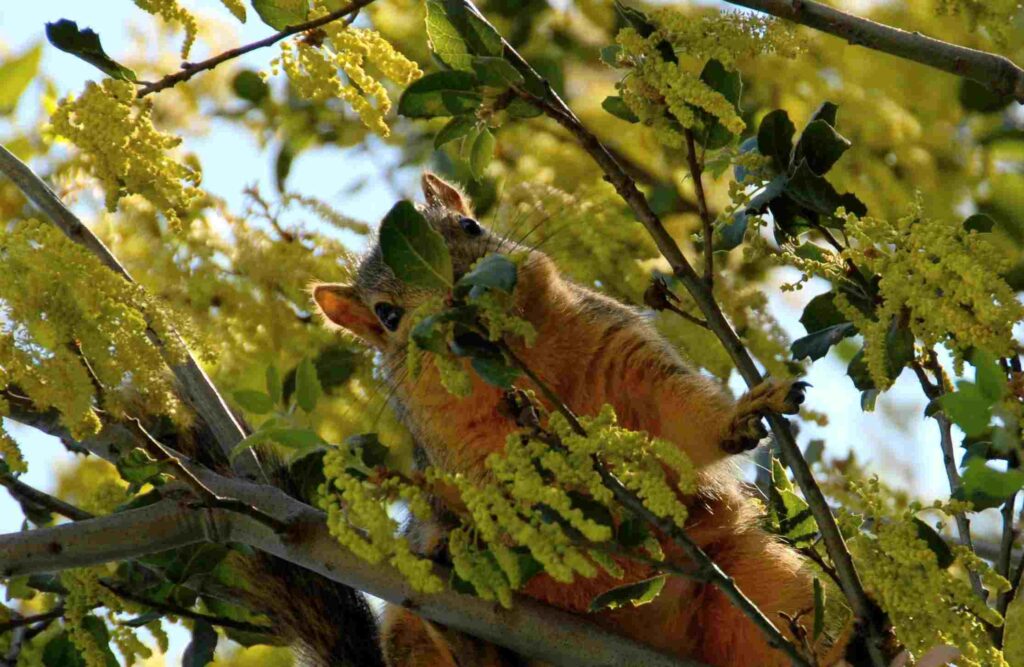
(746, 429)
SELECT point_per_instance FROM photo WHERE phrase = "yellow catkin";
(172, 12)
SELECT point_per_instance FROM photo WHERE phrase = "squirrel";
(591, 350)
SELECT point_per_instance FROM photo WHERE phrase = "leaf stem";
(189, 70)
(702, 207)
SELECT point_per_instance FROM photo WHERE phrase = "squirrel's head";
(375, 307)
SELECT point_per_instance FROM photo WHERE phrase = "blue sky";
(231, 161)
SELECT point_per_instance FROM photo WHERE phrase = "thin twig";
(21, 491)
(995, 72)
(189, 70)
(175, 610)
(867, 613)
(1009, 535)
(208, 497)
(707, 570)
(56, 612)
(702, 207)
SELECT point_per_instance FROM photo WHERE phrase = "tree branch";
(995, 72)
(702, 207)
(196, 387)
(189, 70)
(868, 614)
(529, 628)
(24, 493)
(175, 610)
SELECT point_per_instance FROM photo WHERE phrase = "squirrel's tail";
(326, 623)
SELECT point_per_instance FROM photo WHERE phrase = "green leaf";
(858, 372)
(254, 401)
(788, 514)
(943, 554)
(281, 14)
(416, 253)
(449, 93)
(819, 608)
(307, 385)
(457, 127)
(821, 146)
(987, 487)
(780, 480)
(610, 55)
(989, 377)
(368, 447)
(731, 235)
(826, 112)
(85, 44)
(15, 75)
(495, 271)
(640, 593)
(614, 105)
(978, 97)
(249, 86)
(639, 21)
(143, 619)
(275, 390)
(294, 438)
(979, 222)
(775, 138)
(496, 72)
(632, 533)
(814, 450)
(729, 84)
(1013, 631)
(62, 652)
(968, 408)
(821, 313)
(899, 347)
(138, 468)
(482, 152)
(817, 344)
(495, 372)
(520, 109)
(444, 39)
(815, 193)
(200, 650)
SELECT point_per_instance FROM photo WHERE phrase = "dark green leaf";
(16, 73)
(819, 609)
(200, 650)
(101, 637)
(616, 107)
(978, 97)
(815, 193)
(495, 271)
(858, 372)
(254, 401)
(495, 371)
(281, 14)
(632, 533)
(283, 164)
(730, 86)
(593, 510)
(987, 487)
(899, 347)
(368, 447)
(640, 593)
(826, 112)
(817, 344)
(775, 138)
(250, 86)
(307, 385)
(448, 93)
(138, 468)
(85, 44)
(868, 399)
(610, 55)
(814, 450)
(62, 652)
(456, 128)
(412, 248)
(496, 72)
(968, 408)
(143, 619)
(521, 109)
(731, 235)
(979, 222)
(943, 554)
(821, 146)
(481, 153)
(639, 21)
(812, 251)
(274, 387)
(821, 313)
(989, 377)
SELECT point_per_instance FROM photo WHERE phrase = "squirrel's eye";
(471, 226)
(389, 315)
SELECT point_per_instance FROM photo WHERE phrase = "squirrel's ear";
(341, 306)
(440, 192)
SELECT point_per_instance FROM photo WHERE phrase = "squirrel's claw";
(746, 429)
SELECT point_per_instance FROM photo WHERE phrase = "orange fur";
(592, 350)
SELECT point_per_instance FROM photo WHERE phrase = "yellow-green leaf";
(15, 75)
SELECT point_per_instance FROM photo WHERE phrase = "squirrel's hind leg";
(408, 640)
(746, 429)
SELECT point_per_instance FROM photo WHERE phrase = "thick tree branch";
(529, 628)
(867, 614)
(189, 70)
(196, 387)
(993, 71)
